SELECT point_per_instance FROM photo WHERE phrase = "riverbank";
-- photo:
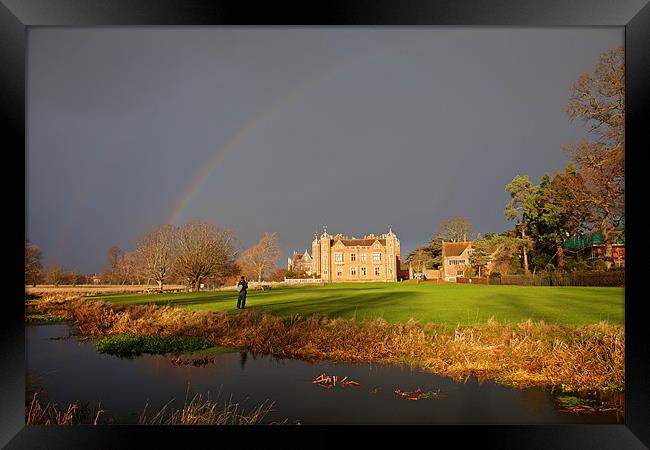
(525, 354)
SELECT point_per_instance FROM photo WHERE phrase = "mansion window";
(377, 270)
(460, 273)
(339, 271)
(353, 271)
(363, 271)
(457, 262)
(363, 257)
(338, 257)
(353, 257)
(376, 256)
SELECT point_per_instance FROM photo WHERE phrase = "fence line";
(302, 280)
(610, 279)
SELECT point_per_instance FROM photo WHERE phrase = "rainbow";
(258, 117)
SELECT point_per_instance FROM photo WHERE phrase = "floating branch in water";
(201, 361)
(331, 381)
(418, 394)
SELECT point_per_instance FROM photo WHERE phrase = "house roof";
(454, 248)
(361, 242)
(581, 242)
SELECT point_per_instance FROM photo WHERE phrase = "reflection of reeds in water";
(206, 412)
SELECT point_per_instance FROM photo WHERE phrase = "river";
(64, 370)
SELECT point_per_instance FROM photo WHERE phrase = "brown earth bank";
(572, 358)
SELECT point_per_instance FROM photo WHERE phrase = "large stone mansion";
(342, 258)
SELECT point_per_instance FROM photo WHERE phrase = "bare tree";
(55, 274)
(33, 265)
(204, 251)
(128, 268)
(262, 257)
(455, 229)
(420, 259)
(113, 256)
(156, 252)
(74, 277)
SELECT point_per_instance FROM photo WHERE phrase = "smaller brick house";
(455, 256)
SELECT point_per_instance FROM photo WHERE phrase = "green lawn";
(449, 304)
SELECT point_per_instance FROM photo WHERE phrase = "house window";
(363, 257)
(377, 270)
(376, 256)
(353, 257)
(363, 271)
(353, 271)
(338, 257)
(460, 273)
(339, 271)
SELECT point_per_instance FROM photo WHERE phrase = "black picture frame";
(634, 15)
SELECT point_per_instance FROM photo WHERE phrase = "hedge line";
(612, 279)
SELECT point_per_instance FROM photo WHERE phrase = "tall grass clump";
(206, 412)
(195, 412)
(52, 414)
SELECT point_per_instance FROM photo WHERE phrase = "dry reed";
(51, 414)
(206, 412)
(196, 412)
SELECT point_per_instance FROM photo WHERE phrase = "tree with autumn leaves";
(598, 101)
(589, 195)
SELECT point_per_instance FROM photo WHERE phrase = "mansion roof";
(360, 242)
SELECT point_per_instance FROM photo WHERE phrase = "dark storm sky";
(287, 129)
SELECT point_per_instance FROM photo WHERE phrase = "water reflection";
(68, 370)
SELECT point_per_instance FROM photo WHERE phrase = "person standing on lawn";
(242, 285)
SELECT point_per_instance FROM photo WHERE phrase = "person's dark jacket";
(244, 285)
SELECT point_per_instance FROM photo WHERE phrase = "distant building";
(455, 256)
(95, 279)
(594, 246)
(341, 258)
(300, 262)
